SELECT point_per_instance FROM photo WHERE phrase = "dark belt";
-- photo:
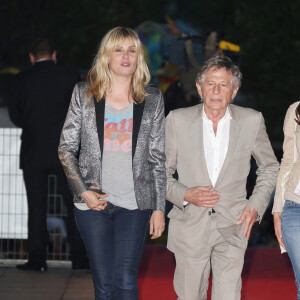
(211, 212)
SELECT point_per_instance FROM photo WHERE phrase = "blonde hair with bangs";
(99, 77)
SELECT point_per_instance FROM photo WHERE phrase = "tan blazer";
(189, 226)
(289, 173)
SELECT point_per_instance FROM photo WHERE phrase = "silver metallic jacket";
(81, 145)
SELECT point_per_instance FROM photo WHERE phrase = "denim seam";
(283, 237)
(145, 234)
(147, 227)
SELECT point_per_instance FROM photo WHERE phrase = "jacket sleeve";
(289, 156)
(157, 155)
(15, 100)
(175, 190)
(266, 172)
(69, 145)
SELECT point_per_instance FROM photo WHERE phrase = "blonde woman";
(112, 151)
(286, 208)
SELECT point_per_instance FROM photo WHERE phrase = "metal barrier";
(13, 206)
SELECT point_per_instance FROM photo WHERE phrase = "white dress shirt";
(215, 145)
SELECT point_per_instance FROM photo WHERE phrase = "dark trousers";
(36, 183)
(114, 239)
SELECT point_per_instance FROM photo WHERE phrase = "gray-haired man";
(210, 146)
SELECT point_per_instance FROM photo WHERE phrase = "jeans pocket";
(289, 203)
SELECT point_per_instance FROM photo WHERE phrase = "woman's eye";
(132, 51)
(118, 50)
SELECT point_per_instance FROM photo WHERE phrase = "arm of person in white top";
(285, 169)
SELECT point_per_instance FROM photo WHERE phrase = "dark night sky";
(267, 32)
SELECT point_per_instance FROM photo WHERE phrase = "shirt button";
(209, 213)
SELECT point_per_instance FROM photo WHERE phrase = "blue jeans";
(114, 239)
(290, 226)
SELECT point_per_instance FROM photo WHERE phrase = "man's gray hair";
(219, 62)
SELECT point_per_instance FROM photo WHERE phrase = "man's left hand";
(249, 215)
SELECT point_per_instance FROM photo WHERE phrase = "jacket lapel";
(100, 110)
(138, 109)
(196, 131)
(233, 138)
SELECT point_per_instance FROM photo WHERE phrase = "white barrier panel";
(13, 203)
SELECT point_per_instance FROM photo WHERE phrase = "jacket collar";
(138, 109)
(196, 136)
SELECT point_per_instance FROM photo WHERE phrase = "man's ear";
(198, 86)
(32, 58)
(234, 93)
(53, 56)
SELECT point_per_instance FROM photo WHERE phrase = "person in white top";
(286, 207)
(210, 146)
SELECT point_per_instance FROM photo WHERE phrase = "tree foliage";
(268, 34)
(76, 26)
(267, 31)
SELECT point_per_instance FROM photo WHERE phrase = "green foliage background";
(267, 31)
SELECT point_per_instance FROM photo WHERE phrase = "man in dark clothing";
(39, 102)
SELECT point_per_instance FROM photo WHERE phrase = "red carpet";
(267, 275)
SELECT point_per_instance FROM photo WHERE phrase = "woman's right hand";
(91, 198)
(277, 227)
